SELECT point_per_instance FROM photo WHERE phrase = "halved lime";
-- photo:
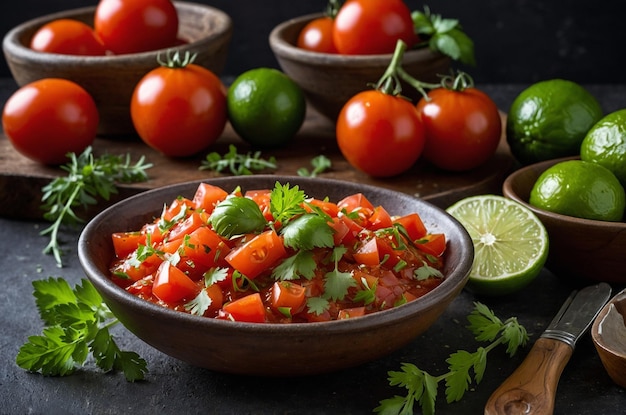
(510, 243)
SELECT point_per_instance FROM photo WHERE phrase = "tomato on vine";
(49, 118)
(366, 27)
(179, 108)
(378, 131)
(462, 124)
(136, 26)
(317, 35)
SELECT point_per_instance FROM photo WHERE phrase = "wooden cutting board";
(21, 179)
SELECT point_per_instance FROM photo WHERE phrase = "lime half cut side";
(510, 243)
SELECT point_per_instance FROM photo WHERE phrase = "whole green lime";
(581, 189)
(266, 108)
(605, 144)
(549, 120)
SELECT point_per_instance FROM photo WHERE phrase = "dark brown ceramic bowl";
(609, 337)
(111, 79)
(272, 349)
(581, 249)
(330, 80)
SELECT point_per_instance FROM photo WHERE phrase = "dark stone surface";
(174, 387)
(517, 41)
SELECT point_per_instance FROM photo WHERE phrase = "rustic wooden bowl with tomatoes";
(329, 80)
(110, 77)
(227, 335)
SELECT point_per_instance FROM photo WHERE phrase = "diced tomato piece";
(351, 313)
(142, 288)
(330, 208)
(249, 309)
(172, 285)
(413, 224)
(367, 254)
(353, 229)
(187, 226)
(352, 202)
(262, 198)
(340, 230)
(433, 244)
(379, 219)
(207, 196)
(180, 203)
(126, 242)
(287, 294)
(258, 254)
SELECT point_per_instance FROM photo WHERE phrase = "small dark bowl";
(273, 349)
(111, 79)
(580, 249)
(609, 338)
(330, 80)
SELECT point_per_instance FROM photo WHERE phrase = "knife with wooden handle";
(531, 389)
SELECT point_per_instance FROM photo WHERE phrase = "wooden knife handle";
(531, 389)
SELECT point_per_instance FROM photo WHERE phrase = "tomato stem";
(176, 60)
(332, 8)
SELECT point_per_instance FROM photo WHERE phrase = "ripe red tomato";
(179, 111)
(463, 128)
(68, 37)
(317, 36)
(365, 27)
(380, 134)
(47, 119)
(136, 26)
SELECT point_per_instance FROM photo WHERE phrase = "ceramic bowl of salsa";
(273, 349)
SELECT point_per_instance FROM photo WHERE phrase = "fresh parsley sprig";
(76, 322)
(238, 164)
(87, 179)
(422, 387)
(319, 163)
(444, 35)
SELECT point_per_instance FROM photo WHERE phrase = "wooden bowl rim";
(12, 46)
(511, 179)
(284, 48)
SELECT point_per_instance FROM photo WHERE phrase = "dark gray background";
(517, 41)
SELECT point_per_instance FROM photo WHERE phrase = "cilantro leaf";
(286, 202)
(199, 304)
(77, 322)
(301, 263)
(337, 283)
(307, 232)
(317, 305)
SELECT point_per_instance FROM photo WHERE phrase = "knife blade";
(531, 388)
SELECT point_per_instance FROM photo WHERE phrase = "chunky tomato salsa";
(278, 256)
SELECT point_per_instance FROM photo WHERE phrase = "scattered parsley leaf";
(199, 304)
(426, 271)
(320, 164)
(77, 322)
(337, 283)
(286, 202)
(87, 179)
(237, 164)
(421, 387)
(368, 294)
(317, 305)
(215, 275)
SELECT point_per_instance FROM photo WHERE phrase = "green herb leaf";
(286, 202)
(77, 322)
(422, 387)
(317, 305)
(320, 164)
(237, 164)
(237, 216)
(337, 283)
(307, 232)
(300, 264)
(198, 305)
(88, 178)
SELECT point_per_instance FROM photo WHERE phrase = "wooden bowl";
(609, 337)
(273, 349)
(111, 79)
(330, 80)
(580, 249)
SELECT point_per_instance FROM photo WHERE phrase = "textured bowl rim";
(283, 48)
(12, 45)
(457, 278)
(507, 190)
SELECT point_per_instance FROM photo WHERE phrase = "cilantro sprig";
(77, 322)
(319, 163)
(237, 163)
(88, 178)
(422, 387)
(444, 35)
